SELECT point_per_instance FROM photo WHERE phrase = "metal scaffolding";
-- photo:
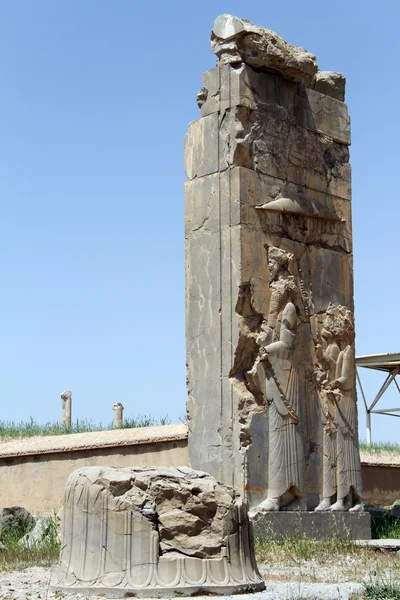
(390, 364)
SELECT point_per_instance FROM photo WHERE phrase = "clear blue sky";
(95, 100)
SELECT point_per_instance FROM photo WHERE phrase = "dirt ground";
(33, 583)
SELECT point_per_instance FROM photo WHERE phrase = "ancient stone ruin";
(118, 420)
(66, 405)
(270, 340)
(270, 327)
(154, 532)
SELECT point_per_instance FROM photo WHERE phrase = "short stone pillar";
(154, 532)
(66, 398)
(118, 415)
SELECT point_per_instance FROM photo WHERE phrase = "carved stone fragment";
(236, 40)
(154, 532)
(269, 277)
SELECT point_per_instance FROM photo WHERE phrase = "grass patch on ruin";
(23, 429)
(380, 447)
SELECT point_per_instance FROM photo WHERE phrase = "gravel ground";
(33, 583)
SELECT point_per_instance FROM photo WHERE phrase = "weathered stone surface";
(118, 409)
(201, 147)
(270, 332)
(330, 83)
(394, 509)
(154, 532)
(15, 522)
(66, 398)
(300, 136)
(45, 529)
(283, 525)
(235, 40)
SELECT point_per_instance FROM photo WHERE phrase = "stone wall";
(34, 471)
(381, 482)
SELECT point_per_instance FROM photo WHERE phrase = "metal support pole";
(362, 391)
(369, 434)
(388, 381)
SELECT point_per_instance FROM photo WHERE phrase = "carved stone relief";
(268, 257)
(336, 381)
(286, 468)
(302, 354)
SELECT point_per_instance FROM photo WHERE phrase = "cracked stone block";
(154, 532)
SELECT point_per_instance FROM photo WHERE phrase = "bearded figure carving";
(279, 358)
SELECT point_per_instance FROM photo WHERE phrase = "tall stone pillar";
(66, 418)
(269, 276)
(118, 421)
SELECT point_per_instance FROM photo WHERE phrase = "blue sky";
(96, 99)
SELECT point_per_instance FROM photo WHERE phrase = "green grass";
(382, 586)
(387, 527)
(331, 560)
(10, 429)
(386, 591)
(302, 549)
(17, 558)
(380, 447)
(15, 555)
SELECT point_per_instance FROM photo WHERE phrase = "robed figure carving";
(336, 379)
(278, 356)
(298, 362)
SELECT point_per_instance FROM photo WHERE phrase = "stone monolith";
(269, 276)
(154, 532)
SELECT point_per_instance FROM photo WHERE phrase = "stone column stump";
(154, 532)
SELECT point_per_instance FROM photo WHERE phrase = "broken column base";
(211, 585)
(317, 525)
(154, 532)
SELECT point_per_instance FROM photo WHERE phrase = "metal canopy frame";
(388, 363)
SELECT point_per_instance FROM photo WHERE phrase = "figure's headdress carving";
(282, 257)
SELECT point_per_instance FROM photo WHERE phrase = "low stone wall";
(381, 477)
(381, 484)
(34, 471)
